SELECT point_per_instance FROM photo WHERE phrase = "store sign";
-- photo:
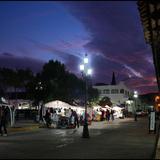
(152, 121)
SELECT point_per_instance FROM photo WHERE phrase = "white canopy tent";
(118, 111)
(106, 107)
(57, 104)
(63, 105)
(78, 109)
(97, 107)
(116, 108)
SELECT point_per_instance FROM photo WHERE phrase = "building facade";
(118, 93)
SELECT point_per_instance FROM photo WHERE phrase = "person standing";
(3, 120)
(55, 119)
(48, 118)
(76, 121)
(102, 115)
(112, 114)
(72, 118)
(107, 115)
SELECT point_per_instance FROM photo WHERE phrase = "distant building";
(19, 93)
(118, 93)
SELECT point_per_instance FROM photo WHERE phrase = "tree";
(105, 101)
(60, 83)
(14, 79)
(93, 96)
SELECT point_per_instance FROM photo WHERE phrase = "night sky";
(31, 33)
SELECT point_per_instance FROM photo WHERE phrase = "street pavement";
(120, 139)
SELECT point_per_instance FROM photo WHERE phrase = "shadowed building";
(150, 18)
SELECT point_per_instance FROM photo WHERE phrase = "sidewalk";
(132, 141)
(23, 126)
(120, 139)
(157, 151)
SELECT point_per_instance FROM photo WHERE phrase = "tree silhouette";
(105, 101)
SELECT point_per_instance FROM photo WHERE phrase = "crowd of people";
(69, 119)
(107, 115)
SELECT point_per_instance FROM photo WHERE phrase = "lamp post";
(39, 89)
(86, 71)
(135, 98)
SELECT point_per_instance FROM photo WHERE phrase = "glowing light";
(157, 98)
(89, 71)
(135, 94)
(129, 102)
(81, 67)
(85, 60)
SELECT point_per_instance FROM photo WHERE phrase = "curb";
(158, 150)
(20, 129)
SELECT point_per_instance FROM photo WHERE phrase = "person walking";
(107, 115)
(47, 118)
(76, 121)
(112, 114)
(72, 118)
(3, 120)
(102, 115)
(55, 119)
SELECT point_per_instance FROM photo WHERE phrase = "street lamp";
(86, 71)
(39, 89)
(135, 97)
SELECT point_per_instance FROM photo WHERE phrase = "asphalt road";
(120, 139)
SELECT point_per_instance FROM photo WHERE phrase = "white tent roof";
(97, 107)
(117, 108)
(57, 104)
(108, 107)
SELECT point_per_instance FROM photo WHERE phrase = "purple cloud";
(16, 62)
(116, 35)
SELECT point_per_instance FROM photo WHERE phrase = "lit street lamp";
(135, 98)
(86, 71)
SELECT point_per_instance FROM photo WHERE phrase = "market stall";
(96, 113)
(63, 111)
(118, 112)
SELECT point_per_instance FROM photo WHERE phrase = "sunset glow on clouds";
(109, 32)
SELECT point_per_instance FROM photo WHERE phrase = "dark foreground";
(120, 139)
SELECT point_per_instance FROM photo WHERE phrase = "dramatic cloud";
(70, 59)
(109, 32)
(116, 35)
(10, 61)
(137, 74)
